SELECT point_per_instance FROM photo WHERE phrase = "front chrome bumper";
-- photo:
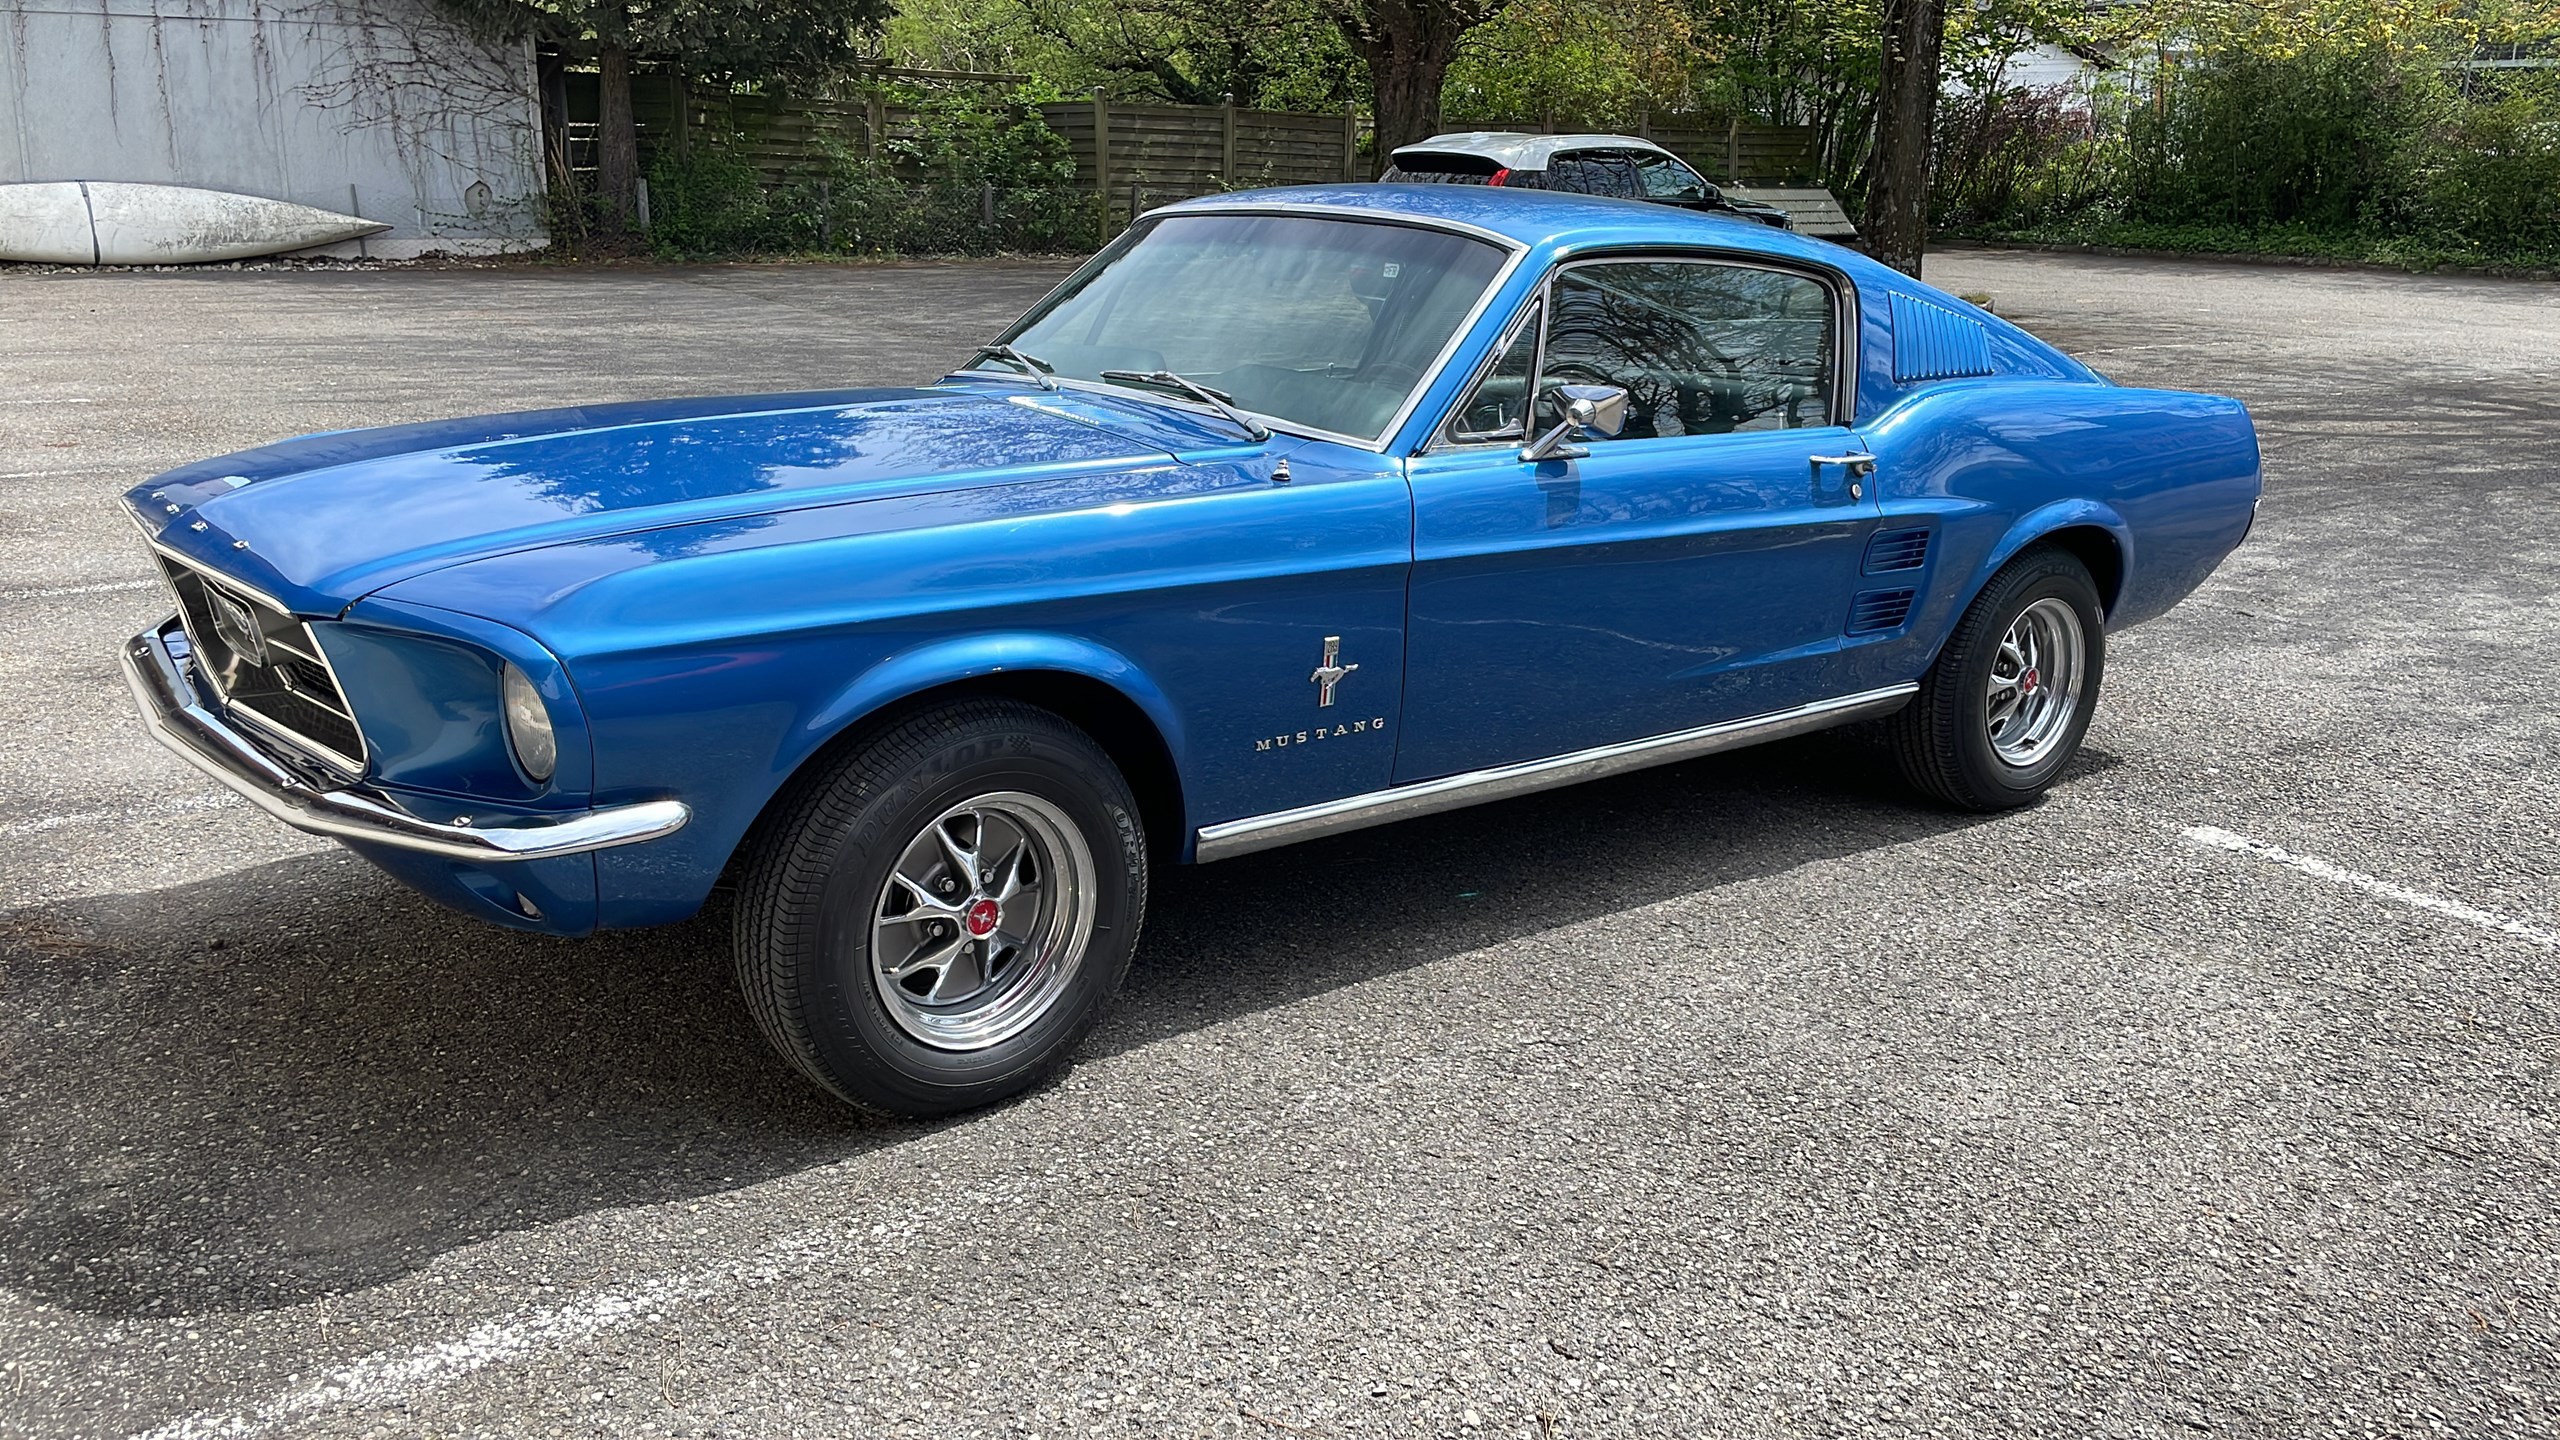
(178, 719)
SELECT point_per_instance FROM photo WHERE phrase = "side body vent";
(1931, 342)
(1893, 550)
(1876, 610)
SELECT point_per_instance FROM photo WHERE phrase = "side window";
(1497, 409)
(1569, 172)
(1607, 172)
(1700, 348)
(1667, 179)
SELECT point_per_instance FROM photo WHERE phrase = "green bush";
(2259, 140)
(704, 200)
(2336, 152)
(2486, 177)
(970, 180)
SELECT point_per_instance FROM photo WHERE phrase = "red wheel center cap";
(2027, 682)
(982, 917)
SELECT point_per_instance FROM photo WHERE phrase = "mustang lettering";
(941, 675)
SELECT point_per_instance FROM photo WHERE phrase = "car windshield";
(1319, 323)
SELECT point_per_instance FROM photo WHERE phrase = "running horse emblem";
(1330, 673)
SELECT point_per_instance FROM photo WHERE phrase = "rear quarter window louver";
(1931, 342)
(1875, 610)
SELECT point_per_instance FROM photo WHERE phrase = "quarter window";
(1700, 348)
(1498, 407)
(1667, 179)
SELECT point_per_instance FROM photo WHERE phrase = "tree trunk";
(1408, 48)
(551, 81)
(1897, 217)
(617, 144)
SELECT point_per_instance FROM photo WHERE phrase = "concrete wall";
(374, 106)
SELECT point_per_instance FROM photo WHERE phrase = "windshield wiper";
(1216, 400)
(1041, 371)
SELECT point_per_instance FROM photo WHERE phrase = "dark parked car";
(1619, 165)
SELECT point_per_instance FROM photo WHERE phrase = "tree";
(715, 40)
(1408, 45)
(1194, 52)
(1897, 215)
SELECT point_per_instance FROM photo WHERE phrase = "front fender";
(953, 659)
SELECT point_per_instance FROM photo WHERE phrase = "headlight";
(529, 726)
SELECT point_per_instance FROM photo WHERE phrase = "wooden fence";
(1128, 157)
(1201, 149)
(783, 137)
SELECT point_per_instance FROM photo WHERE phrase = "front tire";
(2010, 698)
(936, 921)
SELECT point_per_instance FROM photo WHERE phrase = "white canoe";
(109, 222)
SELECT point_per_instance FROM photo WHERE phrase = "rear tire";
(936, 920)
(2010, 698)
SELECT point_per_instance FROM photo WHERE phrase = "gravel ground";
(1746, 1098)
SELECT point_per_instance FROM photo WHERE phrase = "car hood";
(322, 520)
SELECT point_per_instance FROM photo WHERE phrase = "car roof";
(1544, 219)
(1519, 150)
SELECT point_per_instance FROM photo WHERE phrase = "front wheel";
(2007, 703)
(936, 921)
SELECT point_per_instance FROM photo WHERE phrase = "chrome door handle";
(1858, 462)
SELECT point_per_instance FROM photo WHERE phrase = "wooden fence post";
(1644, 124)
(1350, 144)
(1227, 159)
(1102, 161)
(1733, 148)
(875, 119)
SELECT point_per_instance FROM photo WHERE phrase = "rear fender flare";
(2038, 523)
(2033, 527)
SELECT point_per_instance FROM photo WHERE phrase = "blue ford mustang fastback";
(1292, 511)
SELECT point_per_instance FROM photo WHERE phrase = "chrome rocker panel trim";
(176, 718)
(1230, 838)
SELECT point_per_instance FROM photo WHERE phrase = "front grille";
(264, 664)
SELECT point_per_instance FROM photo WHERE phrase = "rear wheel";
(938, 919)
(2005, 708)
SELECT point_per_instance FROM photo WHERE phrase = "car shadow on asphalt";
(300, 1079)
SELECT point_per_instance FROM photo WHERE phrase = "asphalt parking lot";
(2214, 1096)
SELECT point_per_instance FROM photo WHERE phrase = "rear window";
(1439, 169)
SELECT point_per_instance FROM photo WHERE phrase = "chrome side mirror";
(1588, 410)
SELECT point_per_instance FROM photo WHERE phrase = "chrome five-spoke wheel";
(2035, 682)
(935, 917)
(983, 920)
(2002, 711)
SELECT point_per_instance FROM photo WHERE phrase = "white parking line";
(50, 400)
(2374, 885)
(395, 1377)
(390, 1377)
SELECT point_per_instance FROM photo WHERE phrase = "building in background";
(380, 108)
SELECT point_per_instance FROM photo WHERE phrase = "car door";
(1696, 568)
